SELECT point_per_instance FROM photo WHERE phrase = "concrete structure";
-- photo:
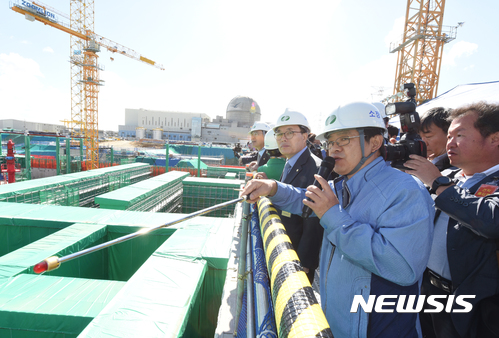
(32, 126)
(241, 113)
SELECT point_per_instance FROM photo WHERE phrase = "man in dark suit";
(291, 133)
(463, 258)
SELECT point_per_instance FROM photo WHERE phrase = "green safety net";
(201, 193)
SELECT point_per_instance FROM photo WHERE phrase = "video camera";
(410, 143)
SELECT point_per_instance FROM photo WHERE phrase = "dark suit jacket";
(305, 235)
(472, 235)
(264, 158)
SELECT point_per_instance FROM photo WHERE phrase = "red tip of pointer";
(41, 267)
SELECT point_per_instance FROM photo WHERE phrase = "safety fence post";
(57, 154)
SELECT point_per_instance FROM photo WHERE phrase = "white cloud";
(458, 50)
(23, 96)
(48, 50)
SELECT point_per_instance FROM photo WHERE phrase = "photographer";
(433, 131)
(315, 146)
(463, 259)
(397, 153)
(377, 221)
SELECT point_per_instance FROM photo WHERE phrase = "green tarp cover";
(8, 190)
(124, 198)
(21, 224)
(177, 291)
(191, 164)
(227, 153)
(155, 302)
(211, 242)
(47, 306)
(60, 243)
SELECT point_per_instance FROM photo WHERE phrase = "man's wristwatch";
(440, 181)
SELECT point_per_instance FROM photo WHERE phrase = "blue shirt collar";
(292, 160)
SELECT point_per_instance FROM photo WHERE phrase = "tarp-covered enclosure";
(167, 283)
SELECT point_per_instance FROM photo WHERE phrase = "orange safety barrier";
(47, 163)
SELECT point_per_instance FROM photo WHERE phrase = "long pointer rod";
(54, 262)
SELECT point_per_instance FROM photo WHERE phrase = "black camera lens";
(396, 152)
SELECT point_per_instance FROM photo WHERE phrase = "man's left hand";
(422, 169)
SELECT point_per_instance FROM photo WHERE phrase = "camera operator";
(393, 132)
(463, 258)
(315, 146)
(410, 142)
(433, 131)
(237, 150)
(377, 226)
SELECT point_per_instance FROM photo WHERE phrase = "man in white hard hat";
(275, 165)
(378, 227)
(257, 135)
(291, 133)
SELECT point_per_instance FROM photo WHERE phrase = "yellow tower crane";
(420, 51)
(85, 80)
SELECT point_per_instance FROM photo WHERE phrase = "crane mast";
(85, 78)
(420, 51)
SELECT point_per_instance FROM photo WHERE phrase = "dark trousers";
(435, 325)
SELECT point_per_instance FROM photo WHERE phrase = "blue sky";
(310, 56)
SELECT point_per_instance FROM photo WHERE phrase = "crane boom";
(48, 18)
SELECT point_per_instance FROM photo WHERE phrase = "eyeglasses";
(340, 141)
(288, 134)
(256, 132)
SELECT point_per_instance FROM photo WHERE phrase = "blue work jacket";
(378, 245)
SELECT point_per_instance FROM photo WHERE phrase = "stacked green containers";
(77, 189)
(201, 193)
(161, 193)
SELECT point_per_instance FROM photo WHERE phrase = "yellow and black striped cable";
(297, 312)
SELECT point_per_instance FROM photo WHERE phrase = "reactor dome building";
(244, 110)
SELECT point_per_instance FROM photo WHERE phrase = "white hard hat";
(292, 117)
(381, 108)
(352, 116)
(270, 141)
(259, 126)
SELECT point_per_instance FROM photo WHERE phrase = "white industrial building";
(241, 113)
